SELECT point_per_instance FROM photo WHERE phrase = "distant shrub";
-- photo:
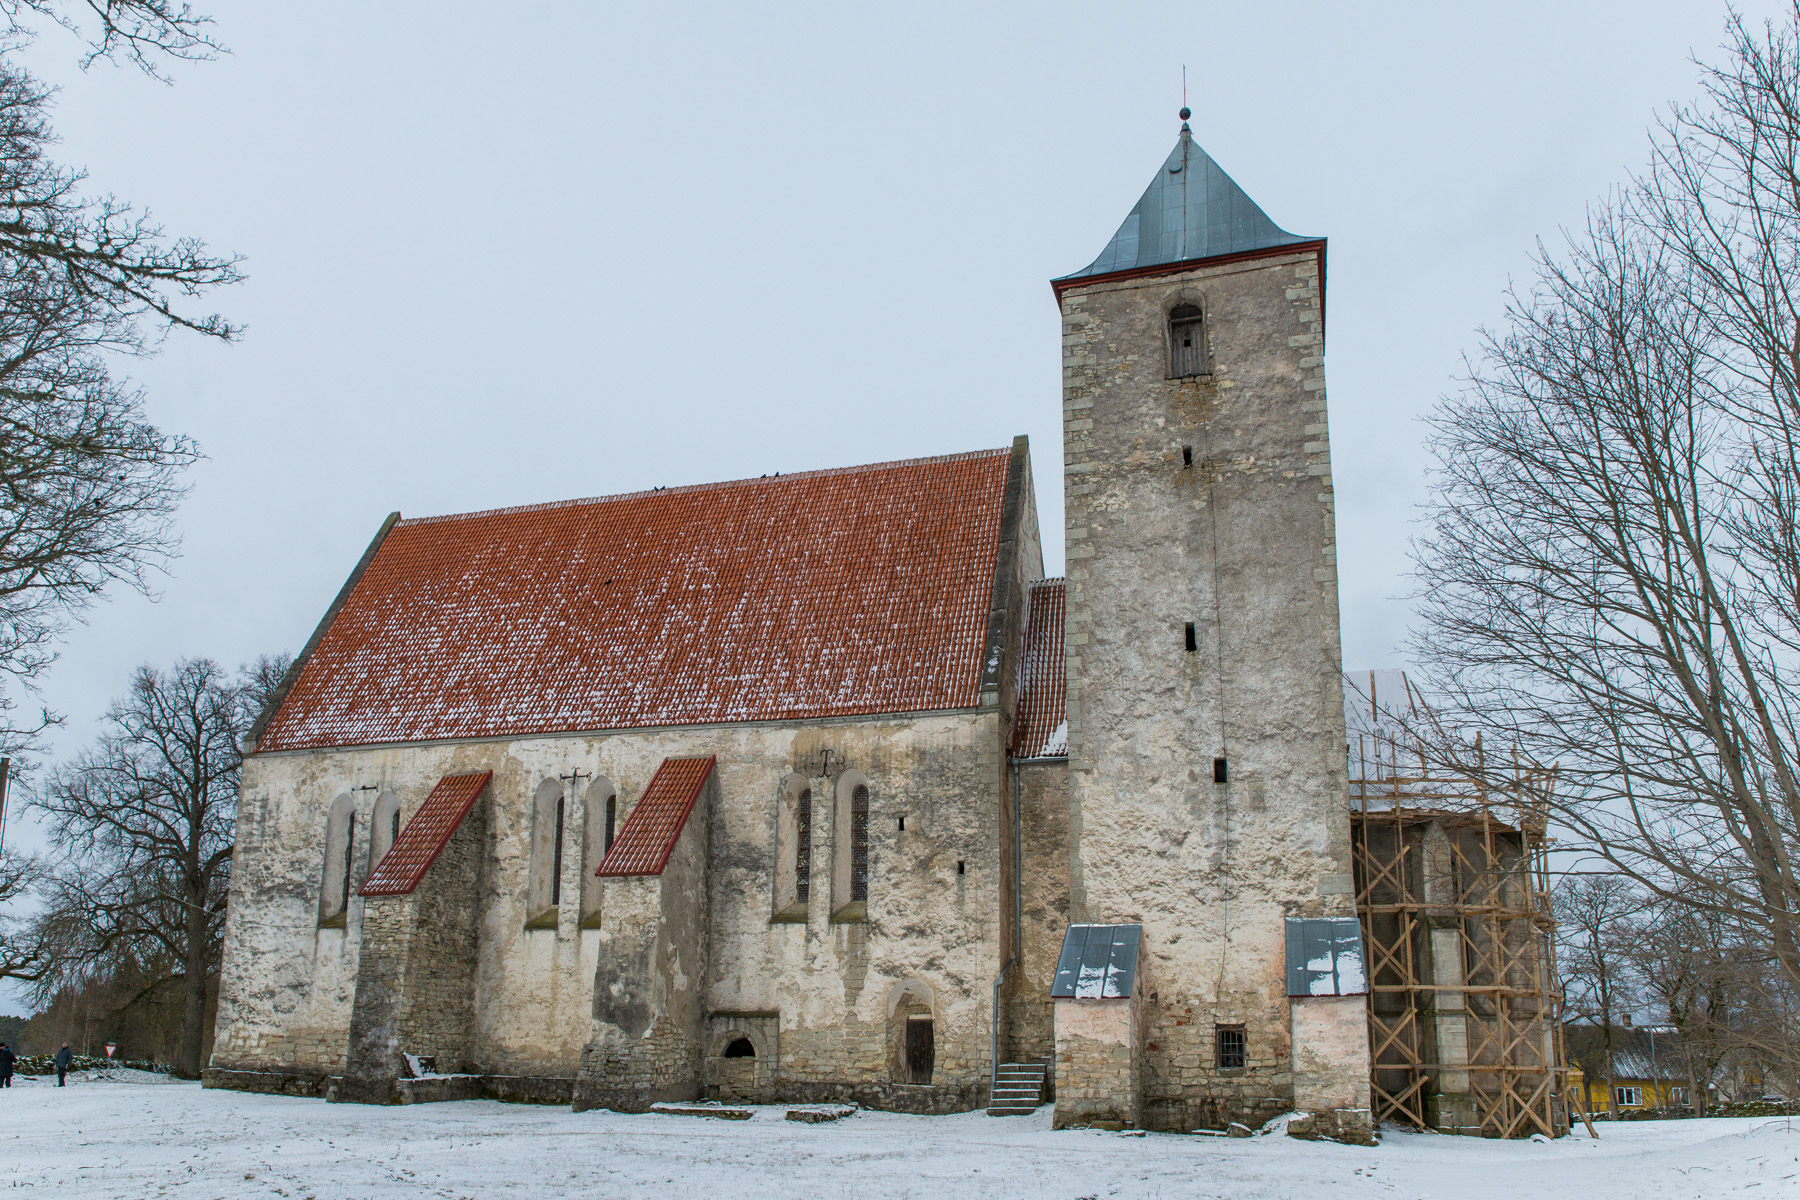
(45, 1064)
(1752, 1108)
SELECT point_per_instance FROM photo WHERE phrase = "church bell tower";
(1208, 793)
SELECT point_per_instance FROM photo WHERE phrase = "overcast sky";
(511, 253)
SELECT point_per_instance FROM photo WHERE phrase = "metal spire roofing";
(1191, 210)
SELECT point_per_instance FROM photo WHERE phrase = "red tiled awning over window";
(657, 819)
(831, 593)
(1041, 729)
(425, 836)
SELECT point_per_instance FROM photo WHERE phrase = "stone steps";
(1018, 1089)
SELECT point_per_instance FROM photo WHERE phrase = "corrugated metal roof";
(1325, 957)
(1041, 726)
(1098, 962)
(1191, 210)
(425, 836)
(657, 819)
(830, 593)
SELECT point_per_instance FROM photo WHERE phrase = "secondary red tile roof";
(1041, 726)
(425, 836)
(831, 593)
(657, 819)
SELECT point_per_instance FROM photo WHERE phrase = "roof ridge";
(682, 489)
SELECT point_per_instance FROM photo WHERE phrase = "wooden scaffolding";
(1452, 889)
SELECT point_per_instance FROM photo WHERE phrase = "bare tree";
(1611, 576)
(1593, 914)
(1709, 985)
(142, 32)
(88, 487)
(23, 954)
(146, 820)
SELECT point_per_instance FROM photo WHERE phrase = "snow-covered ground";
(143, 1136)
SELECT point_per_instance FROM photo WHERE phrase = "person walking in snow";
(7, 1059)
(63, 1058)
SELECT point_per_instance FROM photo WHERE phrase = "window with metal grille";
(859, 843)
(1187, 342)
(803, 847)
(1229, 1047)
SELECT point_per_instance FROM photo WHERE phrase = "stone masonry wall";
(1241, 544)
(1044, 838)
(290, 985)
(1098, 1059)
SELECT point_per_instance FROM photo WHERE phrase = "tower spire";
(1192, 210)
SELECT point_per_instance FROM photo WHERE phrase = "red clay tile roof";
(425, 836)
(832, 593)
(657, 819)
(1041, 726)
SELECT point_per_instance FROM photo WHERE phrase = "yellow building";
(1646, 1068)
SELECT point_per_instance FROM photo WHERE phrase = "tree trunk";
(193, 1009)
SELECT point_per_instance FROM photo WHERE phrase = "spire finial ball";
(1185, 114)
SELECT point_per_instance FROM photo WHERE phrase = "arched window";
(850, 849)
(340, 840)
(793, 849)
(1187, 342)
(740, 1048)
(384, 828)
(600, 817)
(544, 889)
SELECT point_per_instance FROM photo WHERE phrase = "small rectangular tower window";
(1193, 643)
(1219, 773)
(1187, 343)
(1187, 456)
(1229, 1047)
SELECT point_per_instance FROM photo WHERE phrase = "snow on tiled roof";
(830, 593)
(1041, 727)
(425, 836)
(657, 819)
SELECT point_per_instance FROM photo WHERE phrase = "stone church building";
(812, 787)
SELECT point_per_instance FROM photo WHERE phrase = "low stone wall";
(926, 1099)
(515, 1089)
(271, 1083)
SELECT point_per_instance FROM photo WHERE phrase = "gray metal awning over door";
(1098, 962)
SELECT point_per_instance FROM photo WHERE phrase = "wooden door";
(921, 1053)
